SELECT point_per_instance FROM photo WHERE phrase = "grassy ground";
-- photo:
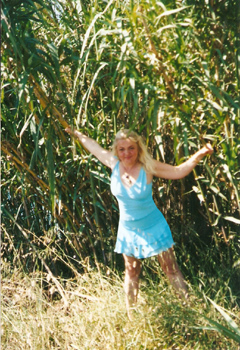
(91, 314)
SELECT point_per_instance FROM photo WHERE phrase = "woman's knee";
(168, 262)
(132, 266)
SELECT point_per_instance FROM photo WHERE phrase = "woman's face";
(127, 151)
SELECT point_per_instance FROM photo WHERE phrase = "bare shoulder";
(149, 177)
(113, 162)
(105, 156)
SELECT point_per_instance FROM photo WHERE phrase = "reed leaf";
(51, 174)
(233, 332)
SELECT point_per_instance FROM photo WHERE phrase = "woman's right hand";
(70, 131)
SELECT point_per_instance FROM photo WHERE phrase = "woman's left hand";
(207, 149)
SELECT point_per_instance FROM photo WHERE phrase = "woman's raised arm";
(106, 157)
(171, 172)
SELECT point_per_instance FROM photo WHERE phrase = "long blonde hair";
(143, 156)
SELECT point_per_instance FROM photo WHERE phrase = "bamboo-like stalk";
(22, 166)
(20, 162)
(153, 49)
(46, 103)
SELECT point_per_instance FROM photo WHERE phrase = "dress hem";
(153, 253)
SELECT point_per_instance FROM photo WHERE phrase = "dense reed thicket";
(171, 71)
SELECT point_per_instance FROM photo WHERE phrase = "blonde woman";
(143, 231)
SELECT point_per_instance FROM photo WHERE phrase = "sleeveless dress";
(142, 230)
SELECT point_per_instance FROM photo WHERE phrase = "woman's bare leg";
(131, 281)
(169, 265)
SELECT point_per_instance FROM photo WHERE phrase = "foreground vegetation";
(92, 315)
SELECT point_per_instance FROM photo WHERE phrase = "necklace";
(128, 179)
(127, 176)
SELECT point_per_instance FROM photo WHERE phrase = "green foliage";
(232, 331)
(167, 69)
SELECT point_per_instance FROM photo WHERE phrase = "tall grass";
(35, 317)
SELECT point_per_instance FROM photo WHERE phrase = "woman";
(142, 231)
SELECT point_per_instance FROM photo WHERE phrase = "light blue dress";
(142, 230)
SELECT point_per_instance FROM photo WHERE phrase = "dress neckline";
(129, 187)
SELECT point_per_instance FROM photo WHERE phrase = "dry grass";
(35, 317)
